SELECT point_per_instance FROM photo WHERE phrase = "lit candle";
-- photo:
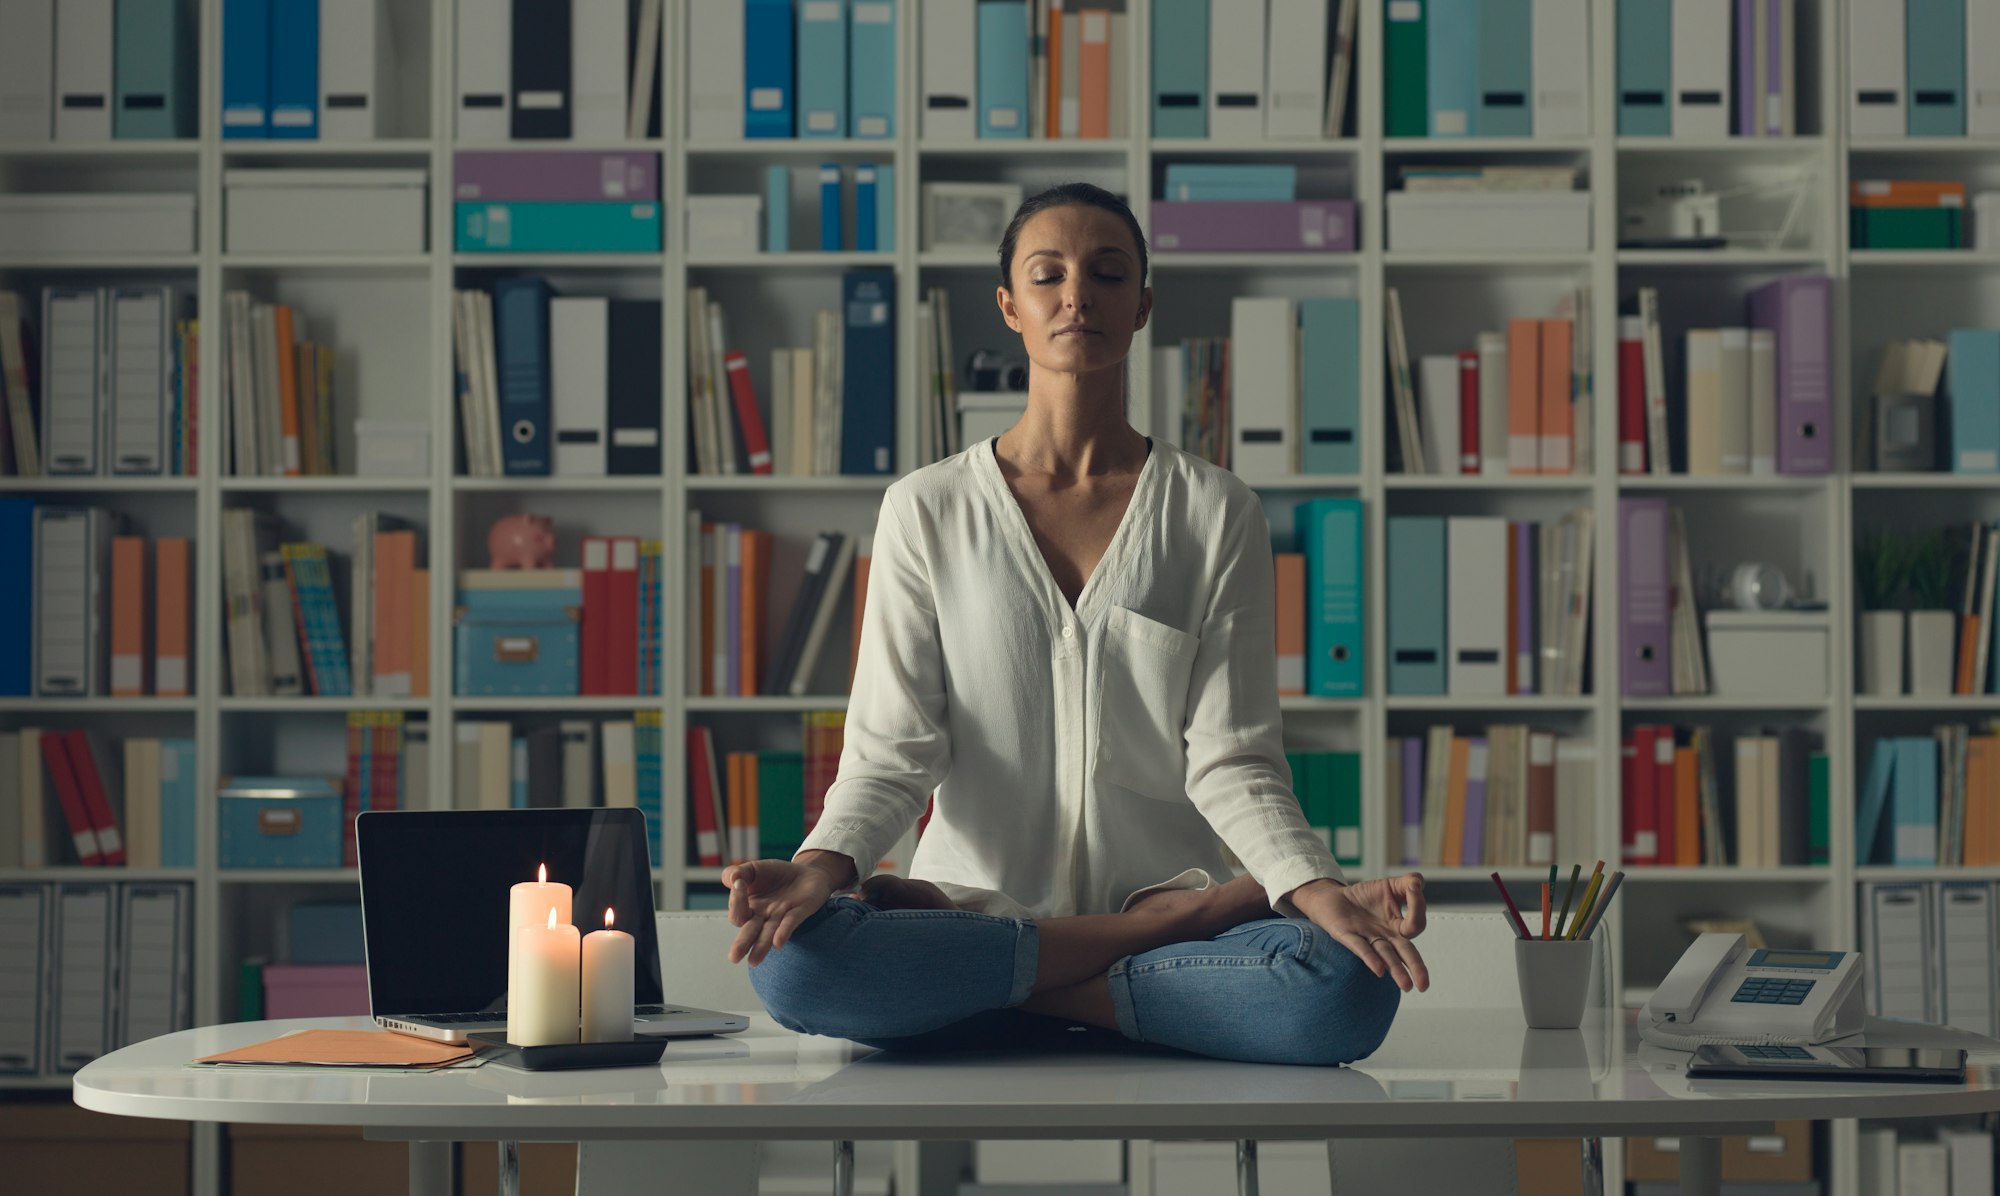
(607, 984)
(544, 1007)
(529, 904)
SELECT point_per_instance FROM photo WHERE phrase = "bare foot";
(1205, 913)
(895, 892)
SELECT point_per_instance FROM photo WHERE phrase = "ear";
(1145, 309)
(1005, 300)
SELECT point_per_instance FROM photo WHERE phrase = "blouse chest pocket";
(1142, 704)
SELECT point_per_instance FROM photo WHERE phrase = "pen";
(1584, 907)
(1597, 915)
(1569, 891)
(1520, 927)
(1545, 910)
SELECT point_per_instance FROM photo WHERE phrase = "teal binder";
(822, 65)
(1506, 82)
(1003, 68)
(1934, 56)
(871, 68)
(1330, 399)
(155, 80)
(1232, 180)
(1180, 68)
(1874, 803)
(1417, 580)
(885, 208)
(1645, 68)
(1330, 536)
(1338, 775)
(1406, 63)
(558, 227)
(1915, 803)
(777, 208)
(1972, 375)
(1453, 70)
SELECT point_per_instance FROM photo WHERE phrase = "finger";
(745, 938)
(786, 925)
(1364, 951)
(1413, 900)
(764, 944)
(1412, 961)
(1392, 960)
(739, 893)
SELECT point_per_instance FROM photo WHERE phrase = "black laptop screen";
(434, 897)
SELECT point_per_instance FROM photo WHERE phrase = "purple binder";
(1309, 225)
(1799, 311)
(1748, 103)
(1644, 599)
(1472, 850)
(1413, 800)
(512, 175)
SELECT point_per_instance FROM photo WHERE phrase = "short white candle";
(528, 904)
(545, 1005)
(607, 984)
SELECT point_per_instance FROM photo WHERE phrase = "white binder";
(27, 69)
(1235, 70)
(72, 567)
(83, 70)
(580, 383)
(140, 377)
(1734, 408)
(485, 70)
(72, 378)
(1877, 90)
(715, 71)
(1476, 624)
(597, 73)
(356, 70)
(1897, 943)
(1295, 93)
(1763, 401)
(1437, 391)
(1966, 930)
(1701, 69)
(1263, 381)
(1560, 63)
(85, 978)
(1982, 68)
(951, 47)
(155, 948)
(24, 972)
(1493, 435)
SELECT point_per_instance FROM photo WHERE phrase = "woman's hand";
(1375, 919)
(768, 899)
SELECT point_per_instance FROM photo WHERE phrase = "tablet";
(1919, 1065)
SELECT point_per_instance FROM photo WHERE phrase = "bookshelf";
(392, 316)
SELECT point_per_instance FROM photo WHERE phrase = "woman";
(1069, 636)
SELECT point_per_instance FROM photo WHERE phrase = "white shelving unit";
(390, 318)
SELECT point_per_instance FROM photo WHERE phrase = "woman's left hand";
(1375, 919)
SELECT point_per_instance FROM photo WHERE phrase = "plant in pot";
(1881, 563)
(1933, 569)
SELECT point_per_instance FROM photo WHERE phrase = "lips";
(1076, 330)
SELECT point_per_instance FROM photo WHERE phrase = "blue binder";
(557, 226)
(1506, 82)
(518, 787)
(1452, 67)
(1915, 803)
(246, 68)
(1231, 180)
(1416, 605)
(1180, 68)
(822, 96)
(1934, 56)
(829, 207)
(521, 343)
(1645, 68)
(1330, 536)
(885, 207)
(868, 372)
(1972, 375)
(177, 786)
(777, 209)
(865, 201)
(871, 68)
(17, 597)
(1003, 68)
(1874, 802)
(295, 70)
(1330, 349)
(767, 68)
(154, 59)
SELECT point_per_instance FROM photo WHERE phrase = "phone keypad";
(1775, 1052)
(1773, 990)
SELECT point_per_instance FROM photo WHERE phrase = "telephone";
(1723, 992)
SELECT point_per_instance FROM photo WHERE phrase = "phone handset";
(1672, 1018)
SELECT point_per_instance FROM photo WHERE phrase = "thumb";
(745, 875)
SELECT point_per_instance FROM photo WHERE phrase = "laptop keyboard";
(452, 1019)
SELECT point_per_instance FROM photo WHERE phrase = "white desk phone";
(1723, 992)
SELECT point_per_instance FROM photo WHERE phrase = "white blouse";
(1082, 755)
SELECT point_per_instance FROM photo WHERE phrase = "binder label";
(767, 99)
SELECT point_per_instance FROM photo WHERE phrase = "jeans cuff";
(1027, 947)
(1121, 1001)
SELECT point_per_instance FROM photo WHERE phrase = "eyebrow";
(1098, 252)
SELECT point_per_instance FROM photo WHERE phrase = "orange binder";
(129, 657)
(288, 389)
(752, 599)
(1524, 385)
(1687, 809)
(1556, 417)
(1982, 801)
(1052, 102)
(395, 565)
(1454, 801)
(420, 633)
(1291, 573)
(733, 852)
(1093, 75)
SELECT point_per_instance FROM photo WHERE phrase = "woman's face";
(1076, 299)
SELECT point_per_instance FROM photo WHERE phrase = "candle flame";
(552, 917)
(608, 918)
(542, 874)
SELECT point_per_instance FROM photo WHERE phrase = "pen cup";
(1554, 975)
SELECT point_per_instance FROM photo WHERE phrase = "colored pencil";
(1583, 908)
(1545, 911)
(1520, 927)
(1569, 891)
(1597, 915)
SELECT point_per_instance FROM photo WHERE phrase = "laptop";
(434, 897)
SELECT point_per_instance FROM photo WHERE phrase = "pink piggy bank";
(521, 542)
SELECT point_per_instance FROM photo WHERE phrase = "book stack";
(1932, 800)
(1473, 208)
(49, 815)
(1702, 69)
(1459, 68)
(861, 218)
(498, 766)
(729, 567)
(281, 392)
(759, 805)
(1238, 69)
(1328, 786)
(1508, 796)
(1321, 596)
(939, 431)
(555, 201)
(533, 70)
(772, 68)
(1193, 378)
(1675, 812)
(1038, 68)
(98, 614)
(98, 71)
(1247, 207)
(1906, 214)
(388, 768)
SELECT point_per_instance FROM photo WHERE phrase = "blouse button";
(1069, 631)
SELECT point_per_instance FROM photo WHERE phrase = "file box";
(323, 211)
(279, 822)
(557, 227)
(1769, 654)
(1489, 221)
(515, 175)
(515, 642)
(1312, 225)
(125, 225)
(719, 224)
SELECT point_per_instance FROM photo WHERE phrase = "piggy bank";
(521, 542)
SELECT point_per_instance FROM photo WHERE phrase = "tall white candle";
(528, 904)
(545, 1007)
(607, 984)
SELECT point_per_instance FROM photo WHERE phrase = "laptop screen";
(434, 896)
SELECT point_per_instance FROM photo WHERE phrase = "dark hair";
(1065, 195)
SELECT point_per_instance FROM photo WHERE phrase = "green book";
(781, 804)
(1819, 816)
(250, 990)
(1906, 228)
(1406, 73)
(1341, 776)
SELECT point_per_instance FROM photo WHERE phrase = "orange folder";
(129, 657)
(753, 598)
(1687, 809)
(395, 566)
(1454, 801)
(1093, 74)
(1291, 575)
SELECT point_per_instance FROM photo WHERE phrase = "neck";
(1074, 428)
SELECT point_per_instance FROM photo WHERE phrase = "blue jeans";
(1277, 990)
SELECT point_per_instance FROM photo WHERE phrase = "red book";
(96, 803)
(70, 797)
(1631, 400)
(1628, 793)
(756, 445)
(701, 767)
(596, 633)
(1645, 803)
(1468, 411)
(621, 663)
(1663, 793)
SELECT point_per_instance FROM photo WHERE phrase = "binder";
(557, 227)
(867, 372)
(1780, 111)
(1733, 393)
(1645, 68)
(1644, 593)
(768, 66)
(777, 208)
(1876, 97)
(1406, 62)
(1330, 349)
(715, 70)
(1704, 401)
(621, 664)
(1453, 74)
(84, 31)
(294, 70)
(1180, 68)
(633, 409)
(885, 207)
(1972, 376)
(154, 55)
(1897, 942)
(1913, 804)
(1262, 374)
(1524, 406)
(173, 597)
(26, 947)
(129, 594)
(1799, 311)
(357, 70)
(1437, 387)
(27, 74)
(1555, 431)
(1494, 382)
(140, 376)
(1506, 58)
(1093, 72)
(17, 599)
(1982, 68)
(950, 54)
(1417, 589)
(72, 378)
(155, 962)
(521, 328)
(579, 384)
(1002, 74)
(1330, 534)
(72, 568)
(865, 203)
(1935, 53)
(871, 68)
(830, 221)
(1967, 928)
(1763, 408)
(246, 67)
(1701, 84)
(1753, 39)
(540, 82)
(1296, 58)
(1476, 547)
(1560, 67)
(599, 51)
(822, 72)
(579, 759)
(84, 976)
(1236, 69)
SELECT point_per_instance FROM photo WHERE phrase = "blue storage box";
(326, 932)
(514, 642)
(279, 822)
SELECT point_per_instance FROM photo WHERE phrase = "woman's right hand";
(768, 899)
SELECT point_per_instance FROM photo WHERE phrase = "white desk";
(1457, 1074)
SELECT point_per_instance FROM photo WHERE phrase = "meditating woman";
(1069, 636)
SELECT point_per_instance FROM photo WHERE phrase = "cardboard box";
(547, 1168)
(111, 224)
(314, 1160)
(323, 211)
(1785, 1155)
(725, 224)
(1769, 654)
(51, 1146)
